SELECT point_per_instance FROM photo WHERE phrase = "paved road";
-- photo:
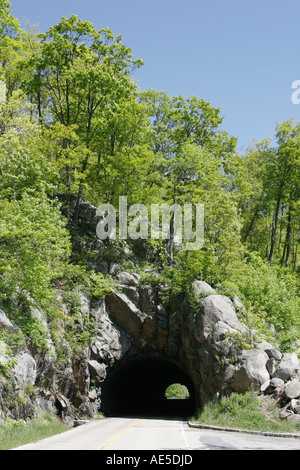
(113, 434)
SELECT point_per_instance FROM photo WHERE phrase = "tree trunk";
(295, 258)
(288, 237)
(274, 223)
(250, 225)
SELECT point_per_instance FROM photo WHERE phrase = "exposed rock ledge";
(207, 341)
(204, 341)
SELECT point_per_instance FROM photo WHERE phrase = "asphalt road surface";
(113, 434)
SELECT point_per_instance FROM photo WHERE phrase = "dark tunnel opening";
(137, 387)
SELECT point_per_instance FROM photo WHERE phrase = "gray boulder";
(148, 300)
(201, 287)
(220, 337)
(274, 353)
(271, 366)
(288, 367)
(274, 387)
(25, 369)
(218, 308)
(294, 418)
(237, 303)
(132, 293)
(277, 383)
(122, 311)
(115, 269)
(128, 279)
(111, 342)
(97, 371)
(142, 329)
(295, 406)
(292, 389)
(250, 369)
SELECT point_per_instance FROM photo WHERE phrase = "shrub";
(177, 391)
(243, 411)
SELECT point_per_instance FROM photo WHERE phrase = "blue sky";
(240, 55)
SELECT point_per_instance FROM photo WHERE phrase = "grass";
(247, 411)
(17, 433)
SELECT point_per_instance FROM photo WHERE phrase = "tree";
(24, 166)
(196, 159)
(8, 24)
(284, 170)
(79, 72)
(179, 120)
(33, 238)
(269, 193)
(253, 194)
(15, 53)
(125, 163)
(33, 244)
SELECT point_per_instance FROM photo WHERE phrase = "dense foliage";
(73, 121)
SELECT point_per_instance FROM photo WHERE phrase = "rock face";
(206, 338)
(203, 341)
(251, 368)
(288, 367)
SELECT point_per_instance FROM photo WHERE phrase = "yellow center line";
(118, 436)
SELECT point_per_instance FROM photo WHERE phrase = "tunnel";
(137, 386)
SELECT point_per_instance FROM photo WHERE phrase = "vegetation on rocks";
(76, 123)
(75, 127)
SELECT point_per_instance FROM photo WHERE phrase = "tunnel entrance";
(137, 387)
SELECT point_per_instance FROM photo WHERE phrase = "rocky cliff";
(136, 339)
